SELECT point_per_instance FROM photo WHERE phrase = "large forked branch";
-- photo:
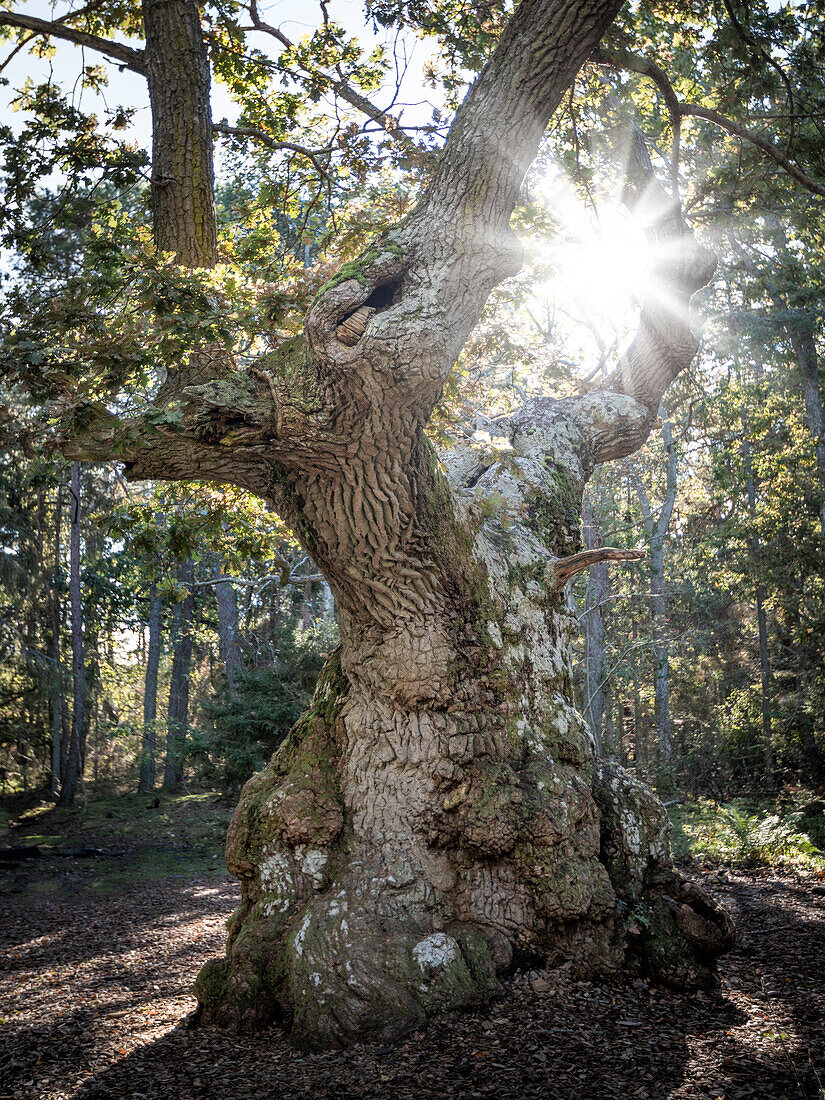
(439, 266)
(128, 57)
(441, 262)
(622, 59)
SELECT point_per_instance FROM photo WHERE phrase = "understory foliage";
(131, 545)
(751, 834)
(240, 732)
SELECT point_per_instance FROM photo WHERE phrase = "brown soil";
(96, 991)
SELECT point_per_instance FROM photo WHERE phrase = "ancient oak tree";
(439, 810)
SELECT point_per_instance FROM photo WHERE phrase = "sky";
(295, 17)
(607, 295)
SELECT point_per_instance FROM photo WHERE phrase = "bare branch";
(262, 138)
(766, 146)
(621, 59)
(385, 120)
(128, 57)
(253, 582)
(566, 568)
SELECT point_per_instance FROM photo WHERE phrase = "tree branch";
(263, 138)
(429, 276)
(386, 121)
(622, 59)
(755, 139)
(566, 568)
(128, 57)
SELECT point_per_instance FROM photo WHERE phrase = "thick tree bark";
(149, 739)
(74, 758)
(177, 68)
(438, 808)
(178, 715)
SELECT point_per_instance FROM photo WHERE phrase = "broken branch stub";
(351, 329)
(566, 568)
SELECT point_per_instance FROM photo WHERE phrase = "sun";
(593, 273)
(604, 268)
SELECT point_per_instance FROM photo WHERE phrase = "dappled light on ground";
(96, 991)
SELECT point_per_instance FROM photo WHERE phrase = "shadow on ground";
(96, 989)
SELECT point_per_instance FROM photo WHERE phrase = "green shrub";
(243, 732)
(744, 834)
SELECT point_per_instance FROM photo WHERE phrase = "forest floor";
(99, 952)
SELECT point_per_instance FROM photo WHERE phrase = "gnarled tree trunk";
(438, 809)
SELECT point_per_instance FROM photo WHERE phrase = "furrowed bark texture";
(177, 69)
(439, 808)
(438, 811)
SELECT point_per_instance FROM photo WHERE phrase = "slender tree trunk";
(91, 646)
(657, 527)
(58, 702)
(802, 339)
(230, 651)
(74, 761)
(58, 696)
(146, 780)
(800, 326)
(306, 606)
(179, 684)
(53, 634)
(609, 739)
(755, 553)
(593, 622)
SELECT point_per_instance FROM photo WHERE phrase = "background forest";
(155, 636)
